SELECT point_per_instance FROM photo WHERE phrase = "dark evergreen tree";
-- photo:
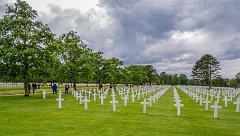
(206, 69)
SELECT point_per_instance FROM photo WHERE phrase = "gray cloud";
(171, 35)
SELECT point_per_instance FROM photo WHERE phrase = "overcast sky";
(171, 35)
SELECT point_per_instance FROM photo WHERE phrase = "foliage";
(233, 83)
(139, 74)
(23, 43)
(237, 76)
(75, 57)
(152, 74)
(206, 69)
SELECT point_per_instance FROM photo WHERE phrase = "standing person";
(29, 87)
(111, 85)
(54, 88)
(34, 86)
(66, 88)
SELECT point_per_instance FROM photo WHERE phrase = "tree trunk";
(99, 83)
(74, 86)
(26, 88)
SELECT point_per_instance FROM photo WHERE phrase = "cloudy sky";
(168, 34)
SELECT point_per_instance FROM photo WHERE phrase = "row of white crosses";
(197, 95)
(125, 92)
(178, 101)
(197, 92)
(11, 84)
(156, 96)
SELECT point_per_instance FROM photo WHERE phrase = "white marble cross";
(138, 94)
(143, 94)
(73, 93)
(44, 94)
(89, 93)
(178, 106)
(114, 102)
(59, 99)
(145, 106)
(113, 95)
(237, 104)
(211, 94)
(125, 99)
(150, 101)
(99, 92)
(197, 98)
(226, 100)
(216, 107)
(201, 99)
(102, 99)
(206, 103)
(80, 98)
(85, 102)
(133, 96)
(218, 97)
(76, 95)
(154, 98)
(94, 95)
(231, 96)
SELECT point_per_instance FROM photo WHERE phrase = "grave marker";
(59, 99)
(85, 102)
(102, 99)
(226, 101)
(237, 104)
(178, 106)
(125, 99)
(44, 93)
(145, 106)
(133, 96)
(216, 107)
(206, 103)
(114, 102)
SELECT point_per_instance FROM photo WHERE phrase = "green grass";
(32, 115)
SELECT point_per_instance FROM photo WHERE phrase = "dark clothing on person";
(34, 86)
(29, 88)
(54, 88)
(66, 88)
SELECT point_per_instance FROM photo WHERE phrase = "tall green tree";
(174, 79)
(75, 57)
(110, 69)
(164, 78)
(183, 80)
(139, 74)
(23, 43)
(152, 74)
(206, 69)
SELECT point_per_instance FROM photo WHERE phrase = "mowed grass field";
(27, 116)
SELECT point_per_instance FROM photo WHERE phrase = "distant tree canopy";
(237, 76)
(233, 83)
(206, 69)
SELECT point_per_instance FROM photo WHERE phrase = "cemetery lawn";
(27, 116)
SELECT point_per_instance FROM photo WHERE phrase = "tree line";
(31, 52)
